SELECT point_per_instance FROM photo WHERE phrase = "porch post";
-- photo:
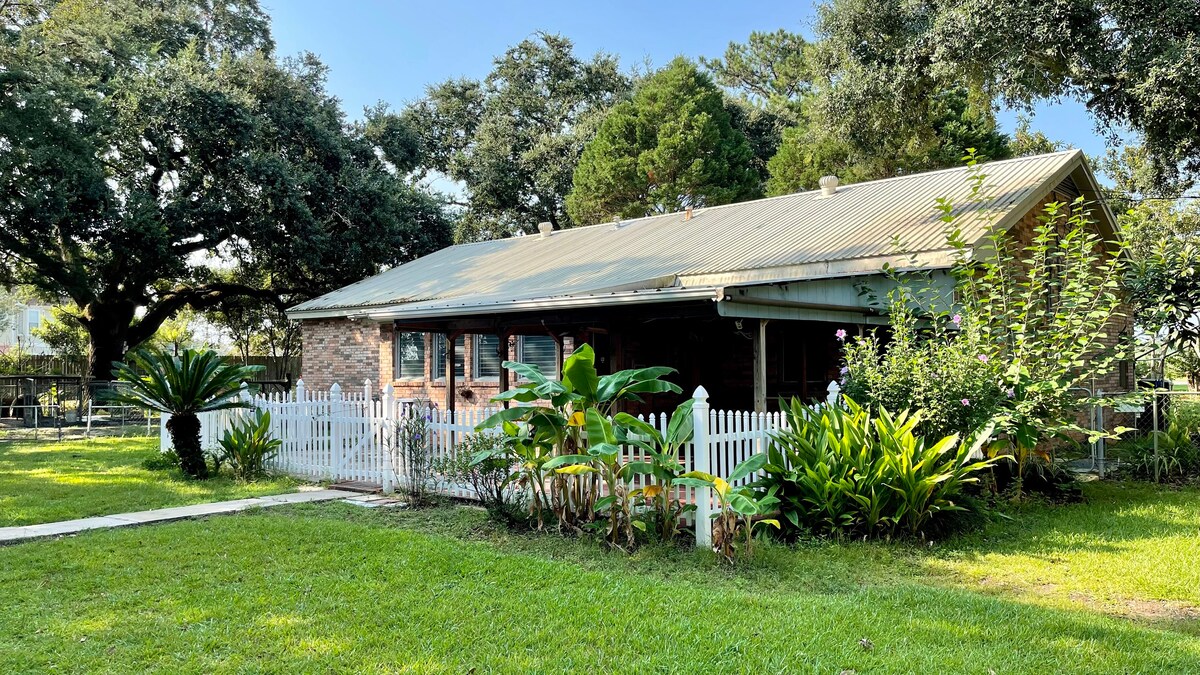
(502, 351)
(760, 367)
(451, 336)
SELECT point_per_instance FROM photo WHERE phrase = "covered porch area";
(748, 346)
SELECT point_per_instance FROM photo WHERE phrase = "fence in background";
(354, 436)
(274, 367)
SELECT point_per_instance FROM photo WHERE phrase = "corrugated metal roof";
(798, 236)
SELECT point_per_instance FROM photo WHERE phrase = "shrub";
(1177, 457)
(939, 368)
(161, 461)
(248, 445)
(481, 463)
(848, 472)
(1036, 314)
(412, 442)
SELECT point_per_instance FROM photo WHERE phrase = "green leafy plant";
(661, 506)
(161, 461)
(562, 440)
(1036, 309)
(248, 445)
(842, 470)
(1177, 455)
(412, 443)
(739, 509)
(183, 386)
(481, 462)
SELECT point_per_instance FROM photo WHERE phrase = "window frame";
(397, 359)
(476, 351)
(437, 363)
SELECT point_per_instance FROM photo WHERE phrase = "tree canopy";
(672, 146)
(514, 138)
(856, 135)
(146, 145)
(1133, 66)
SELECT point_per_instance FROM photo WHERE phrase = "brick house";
(743, 298)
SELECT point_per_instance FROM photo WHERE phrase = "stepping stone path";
(13, 535)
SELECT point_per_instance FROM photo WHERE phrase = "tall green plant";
(183, 386)
(248, 445)
(1047, 308)
(662, 464)
(561, 438)
(739, 509)
(1013, 332)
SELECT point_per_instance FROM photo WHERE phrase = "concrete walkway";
(13, 535)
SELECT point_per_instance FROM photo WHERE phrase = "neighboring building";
(16, 330)
(744, 299)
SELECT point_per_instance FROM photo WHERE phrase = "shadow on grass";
(40, 484)
(334, 587)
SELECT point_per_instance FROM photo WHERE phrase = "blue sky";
(390, 50)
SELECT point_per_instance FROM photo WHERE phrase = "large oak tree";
(1133, 64)
(513, 139)
(146, 147)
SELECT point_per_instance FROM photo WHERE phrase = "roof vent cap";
(829, 185)
(544, 229)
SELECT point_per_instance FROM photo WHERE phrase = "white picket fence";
(351, 436)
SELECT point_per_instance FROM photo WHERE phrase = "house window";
(410, 356)
(438, 371)
(540, 351)
(486, 359)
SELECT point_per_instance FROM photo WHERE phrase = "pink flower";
(966, 401)
(841, 334)
(983, 358)
(845, 370)
(956, 319)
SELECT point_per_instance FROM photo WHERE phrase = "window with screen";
(486, 357)
(539, 350)
(439, 357)
(410, 356)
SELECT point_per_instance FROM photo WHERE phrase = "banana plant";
(662, 451)
(603, 458)
(740, 510)
(558, 412)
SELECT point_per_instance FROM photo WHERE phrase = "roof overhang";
(461, 308)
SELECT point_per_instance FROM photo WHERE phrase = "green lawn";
(45, 482)
(1107, 586)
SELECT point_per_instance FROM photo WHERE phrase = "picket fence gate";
(352, 436)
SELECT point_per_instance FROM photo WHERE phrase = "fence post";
(701, 461)
(387, 437)
(335, 431)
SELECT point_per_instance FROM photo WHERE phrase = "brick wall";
(349, 352)
(342, 351)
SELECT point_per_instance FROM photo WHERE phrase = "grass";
(47, 482)
(1106, 586)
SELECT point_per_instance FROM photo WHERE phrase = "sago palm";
(183, 386)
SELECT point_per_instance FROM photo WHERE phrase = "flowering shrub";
(939, 368)
(412, 443)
